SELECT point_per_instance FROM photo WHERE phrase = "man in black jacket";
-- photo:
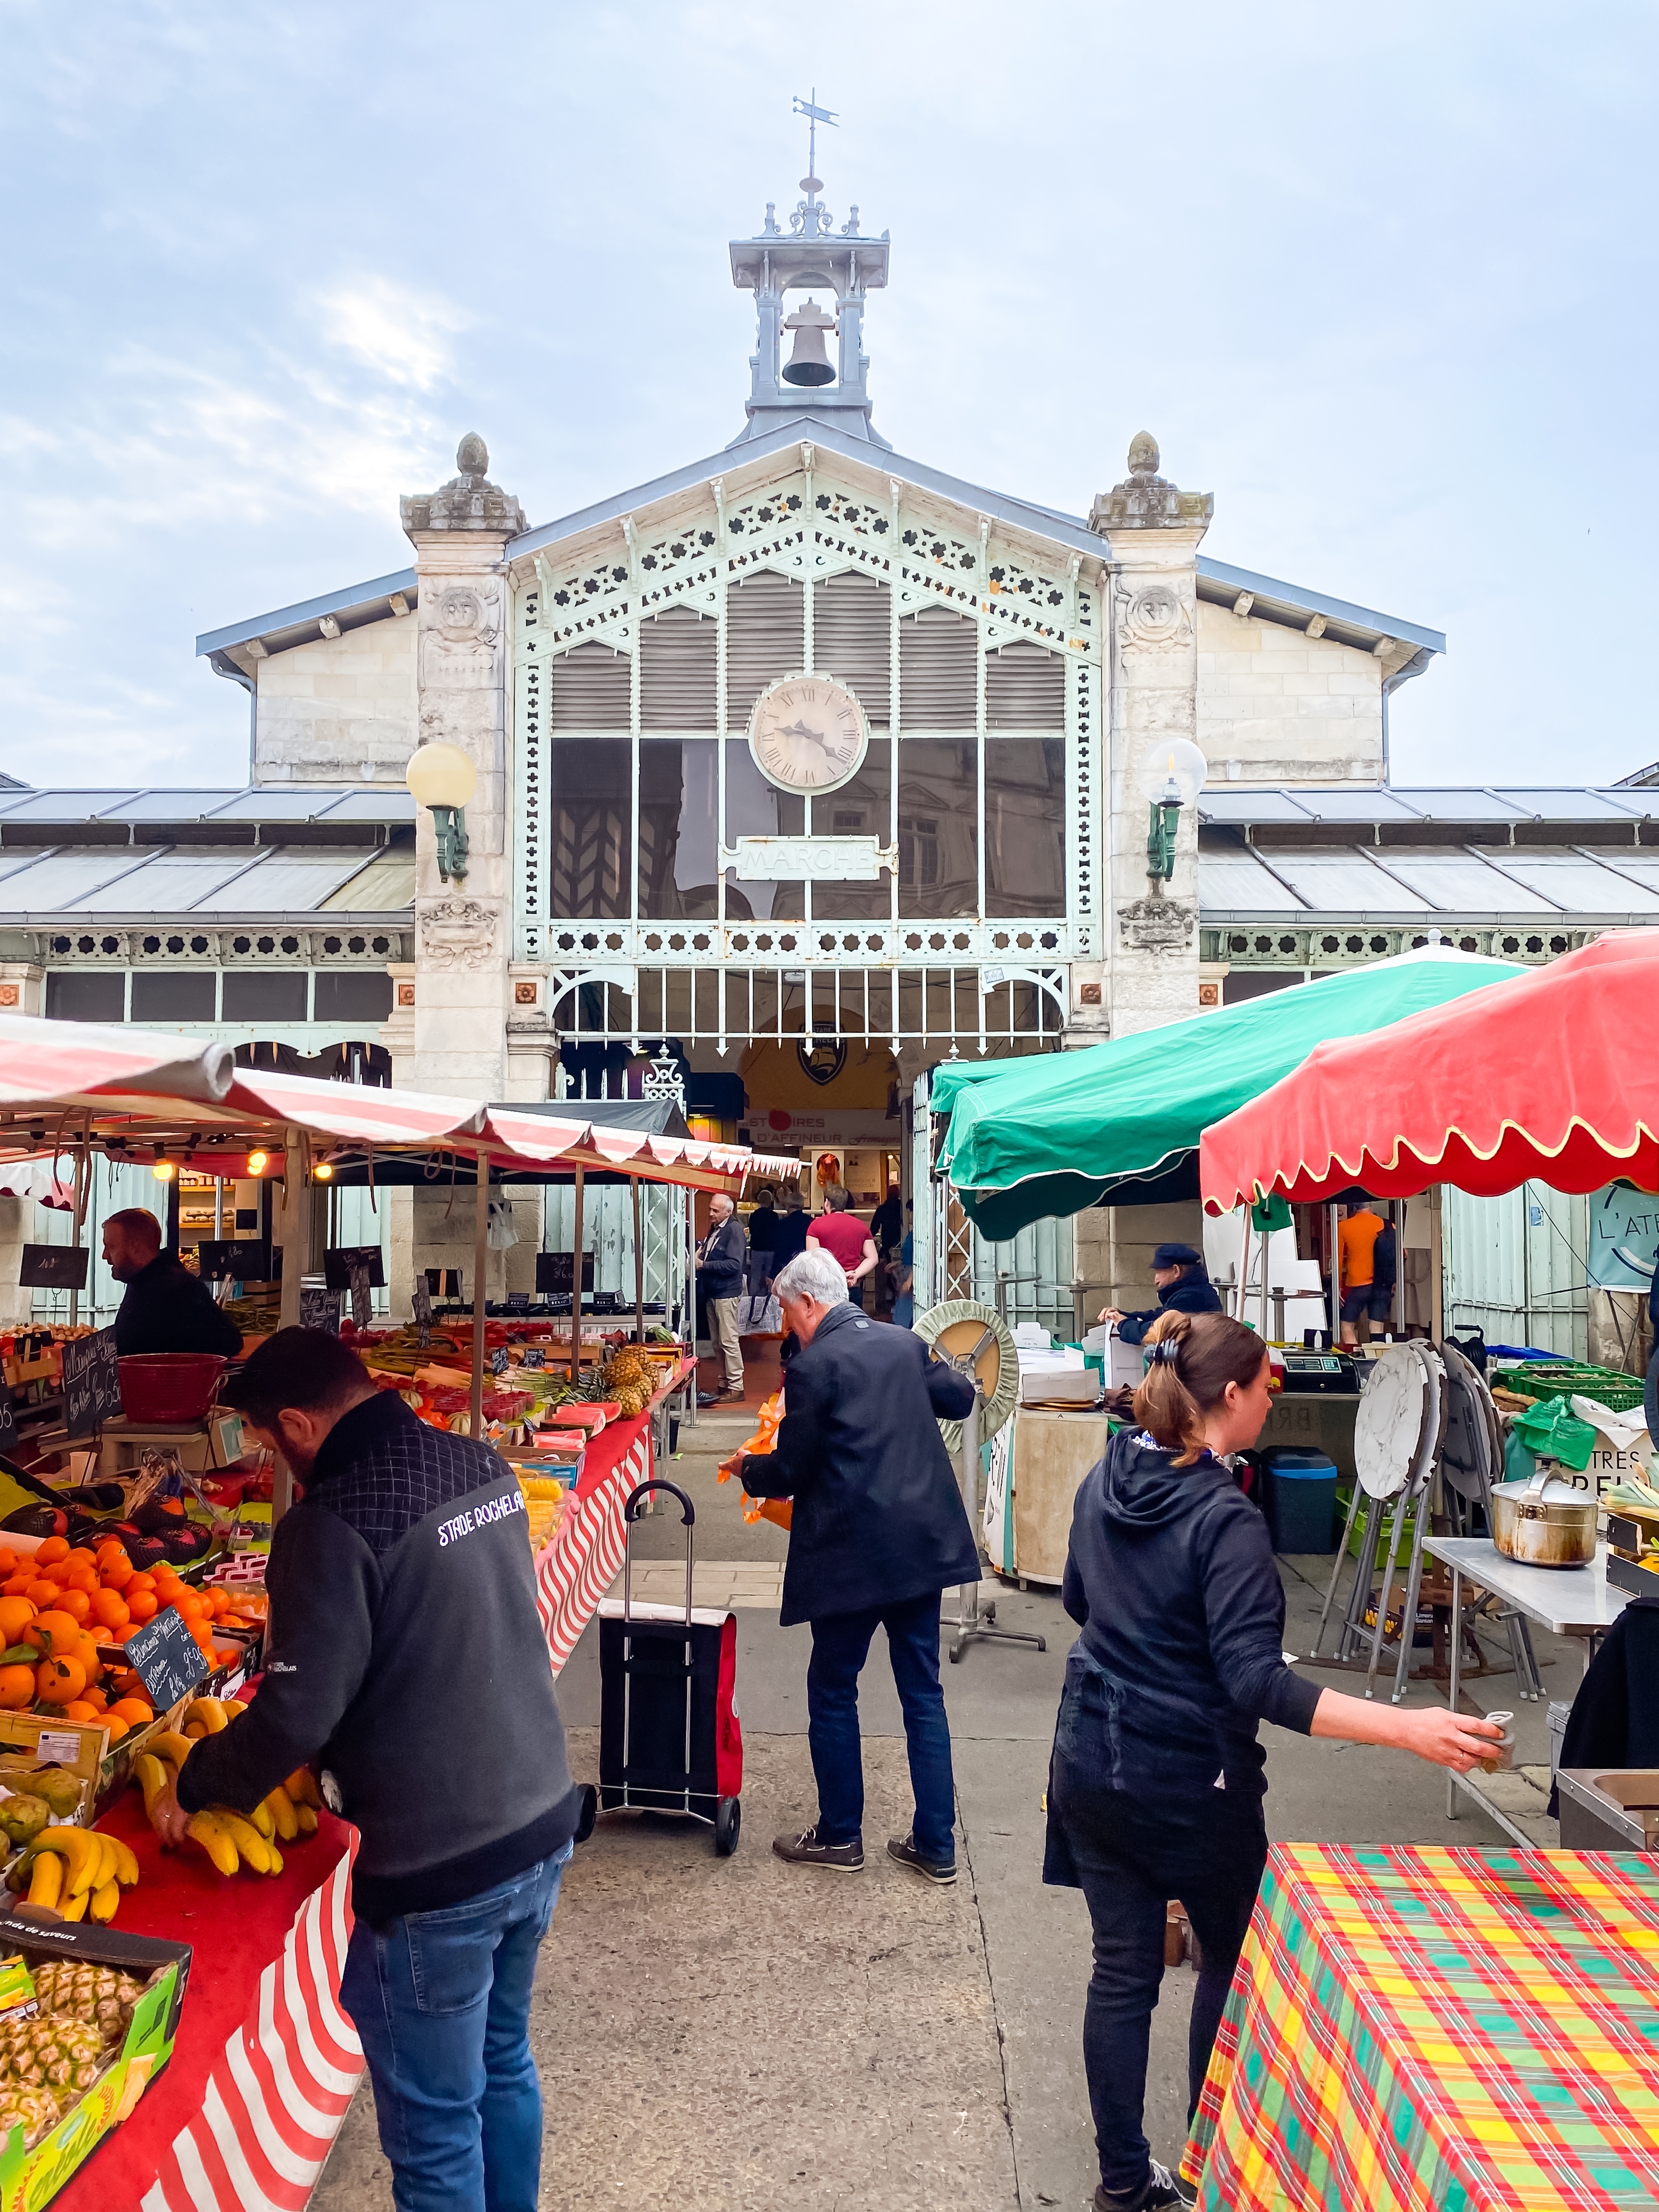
(165, 1309)
(878, 1533)
(721, 1258)
(407, 1660)
(1183, 1286)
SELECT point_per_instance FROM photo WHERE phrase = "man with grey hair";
(877, 1533)
(720, 1260)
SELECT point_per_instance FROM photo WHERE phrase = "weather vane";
(814, 115)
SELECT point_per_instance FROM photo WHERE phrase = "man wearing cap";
(1183, 1286)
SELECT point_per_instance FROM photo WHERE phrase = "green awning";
(1050, 1135)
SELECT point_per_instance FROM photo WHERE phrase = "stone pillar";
(1153, 532)
(463, 929)
(22, 988)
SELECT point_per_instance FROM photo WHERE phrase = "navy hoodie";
(1171, 1575)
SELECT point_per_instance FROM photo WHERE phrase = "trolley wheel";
(956, 1653)
(728, 1825)
(590, 1813)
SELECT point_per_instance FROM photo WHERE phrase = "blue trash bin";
(1301, 1500)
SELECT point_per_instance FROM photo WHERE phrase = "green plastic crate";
(1356, 1535)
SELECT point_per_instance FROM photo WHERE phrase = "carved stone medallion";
(1153, 617)
(1156, 924)
(457, 933)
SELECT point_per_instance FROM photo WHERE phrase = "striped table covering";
(1471, 2031)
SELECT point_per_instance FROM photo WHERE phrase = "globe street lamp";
(444, 778)
(1171, 775)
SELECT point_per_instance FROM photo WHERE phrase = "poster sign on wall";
(1623, 1240)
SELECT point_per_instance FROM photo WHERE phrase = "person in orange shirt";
(1367, 1286)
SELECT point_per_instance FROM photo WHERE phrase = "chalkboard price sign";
(499, 1362)
(319, 1309)
(92, 1383)
(53, 1268)
(168, 1660)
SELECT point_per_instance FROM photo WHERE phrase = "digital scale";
(1332, 1371)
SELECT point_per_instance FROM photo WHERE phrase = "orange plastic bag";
(764, 1440)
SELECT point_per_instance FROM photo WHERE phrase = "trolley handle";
(631, 1510)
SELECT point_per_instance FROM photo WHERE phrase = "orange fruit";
(59, 1682)
(53, 1631)
(109, 1609)
(76, 1603)
(17, 1688)
(137, 1712)
(85, 1651)
(53, 1549)
(17, 1584)
(192, 1605)
(117, 1570)
(98, 1699)
(143, 1607)
(43, 1593)
(80, 1557)
(8, 1561)
(117, 1728)
(143, 1582)
(15, 1615)
(78, 1710)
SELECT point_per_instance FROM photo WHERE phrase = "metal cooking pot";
(1544, 1523)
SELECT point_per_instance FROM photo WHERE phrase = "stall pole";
(293, 1262)
(639, 1266)
(1334, 1258)
(480, 1264)
(80, 1216)
(1244, 1271)
(576, 1286)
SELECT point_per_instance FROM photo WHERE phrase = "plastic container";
(1300, 1500)
(168, 1386)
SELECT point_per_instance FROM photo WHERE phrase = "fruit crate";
(33, 2169)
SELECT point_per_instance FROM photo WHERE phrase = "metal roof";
(145, 883)
(351, 607)
(1395, 882)
(1224, 805)
(394, 805)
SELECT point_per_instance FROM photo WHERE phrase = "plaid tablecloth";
(1469, 2031)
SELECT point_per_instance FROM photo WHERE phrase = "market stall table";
(1466, 2029)
(1567, 1600)
(265, 2062)
(583, 1557)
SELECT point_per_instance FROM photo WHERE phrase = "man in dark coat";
(1183, 1286)
(879, 1532)
(165, 1309)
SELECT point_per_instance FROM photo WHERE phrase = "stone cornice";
(469, 502)
(1146, 501)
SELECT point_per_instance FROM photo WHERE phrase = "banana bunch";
(75, 1873)
(231, 1839)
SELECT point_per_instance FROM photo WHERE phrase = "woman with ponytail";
(1156, 1783)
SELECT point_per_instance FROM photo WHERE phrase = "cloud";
(399, 334)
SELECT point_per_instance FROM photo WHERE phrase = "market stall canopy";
(1052, 1134)
(141, 1089)
(1550, 1079)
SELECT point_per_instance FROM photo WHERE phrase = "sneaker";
(903, 1849)
(806, 1850)
(1161, 2191)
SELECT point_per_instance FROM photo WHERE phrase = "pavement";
(737, 2034)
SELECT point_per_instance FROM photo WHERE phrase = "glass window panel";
(362, 994)
(1342, 882)
(1459, 884)
(1235, 883)
(937, 842)
(85, 995)
(755, 808)
(679, 823)
(1026, 826)
(862, 808)
(256, 994)
(590, 827)
(177, 995)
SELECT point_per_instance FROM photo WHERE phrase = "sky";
(1382, 281)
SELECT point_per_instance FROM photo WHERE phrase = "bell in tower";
(809, 363)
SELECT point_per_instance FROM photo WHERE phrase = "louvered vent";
(852, 638)
(936, 671)
(590, 689)
(1024, 689)
(677, 670)
(765, 638)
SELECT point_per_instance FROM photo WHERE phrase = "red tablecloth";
(265, 2060)
(576, 1568)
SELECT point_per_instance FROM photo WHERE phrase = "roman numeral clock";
(808, 734)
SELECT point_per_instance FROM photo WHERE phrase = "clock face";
(808, 734)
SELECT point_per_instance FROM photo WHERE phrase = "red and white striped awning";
(140, 1088)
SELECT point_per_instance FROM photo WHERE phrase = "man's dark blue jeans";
(440, 2002)
(840, 1644)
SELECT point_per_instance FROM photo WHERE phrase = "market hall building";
(799, 770)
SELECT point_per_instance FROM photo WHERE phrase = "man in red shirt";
(845, 1238)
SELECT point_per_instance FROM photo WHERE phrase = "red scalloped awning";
(1553, 1079)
